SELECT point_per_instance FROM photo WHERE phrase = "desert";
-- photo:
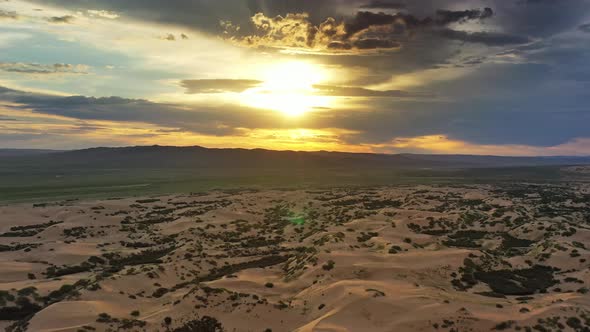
(399, 258)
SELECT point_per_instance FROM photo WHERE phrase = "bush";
(329, 265)
(160, 292)
(104, 318)
(205, 324)
(23, 310)
(518, 282)
(62, 293)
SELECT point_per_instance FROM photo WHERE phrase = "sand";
(410, 258)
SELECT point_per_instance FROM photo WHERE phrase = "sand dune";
(412, 258)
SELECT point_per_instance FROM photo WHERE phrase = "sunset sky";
(502, 77)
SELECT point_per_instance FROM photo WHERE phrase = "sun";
(288, 88)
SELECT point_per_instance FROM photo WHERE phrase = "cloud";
(5, 91)
(66, 19)
(292, 31)
(540, 18)
(403, 124)
(8, 15)
(102, 14)
(483, 37)
(169, 37)
(298, 32)
(442, 144)
(366, 20)
(172, 37)
(529, 89)
(7, 119)
(36, 68)
(196, 119)
(364, 31)
(343, 91)
(444, 17)
(218, 85)
(202, 15)
(228, 85)
(375, 43)
(585, 27)
(382, 4)
(522, 17)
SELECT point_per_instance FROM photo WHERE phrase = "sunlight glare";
(288, 88)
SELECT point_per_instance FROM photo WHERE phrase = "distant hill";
(199, 157)
(151, 170)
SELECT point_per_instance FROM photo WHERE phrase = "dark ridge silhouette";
(200, 157)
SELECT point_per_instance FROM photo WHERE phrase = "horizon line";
(293, 151)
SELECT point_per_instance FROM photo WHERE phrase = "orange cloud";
(444, 145)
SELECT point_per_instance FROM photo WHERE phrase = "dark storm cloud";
(516, 17)
(375, 43)
(323, 16)
(218, 85)
(365, 30)
(444, 17)
(585, 27)
(364, 20)
(540, 18)
(6, 91)
(204, 14)
(463, 121)
(522, 106)
(487, 38)
(197, 119)
(381, 4)
(529, 103)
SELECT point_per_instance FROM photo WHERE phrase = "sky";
(489, 77)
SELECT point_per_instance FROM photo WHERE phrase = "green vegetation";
(22, 309)
(29, 230)
(504, 282)
(329, 265)
(205, 324)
